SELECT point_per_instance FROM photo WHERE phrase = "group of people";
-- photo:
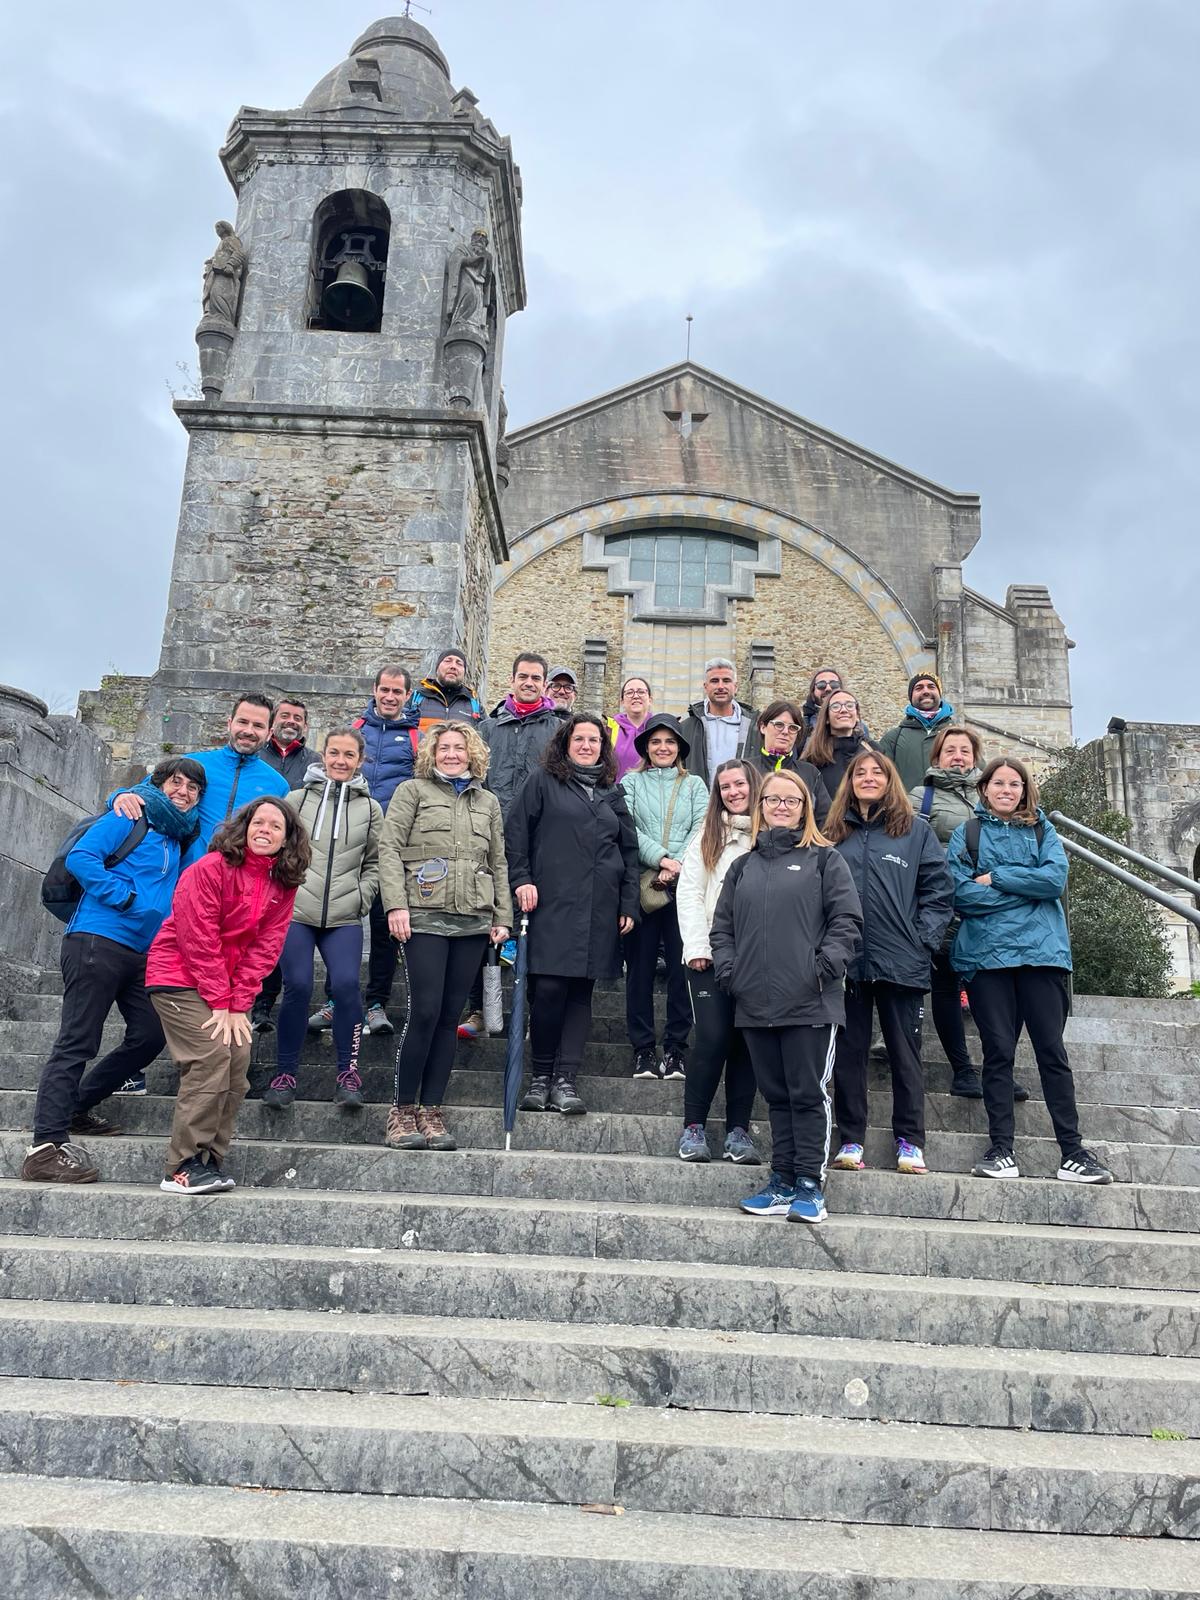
(800, 879)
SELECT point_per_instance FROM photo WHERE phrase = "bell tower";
(341, 502)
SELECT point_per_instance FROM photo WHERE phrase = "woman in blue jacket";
(900, 873)
(1013, 950)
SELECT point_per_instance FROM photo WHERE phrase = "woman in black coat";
(776, 747)
(573, 863)
(907, 899)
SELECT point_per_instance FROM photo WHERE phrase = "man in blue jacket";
(390, 730)
(235, 773)
(103, 961)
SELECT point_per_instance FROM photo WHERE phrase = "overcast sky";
(963, 233)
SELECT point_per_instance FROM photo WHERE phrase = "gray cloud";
(963, 235)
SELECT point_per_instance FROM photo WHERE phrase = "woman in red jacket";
(227, 925)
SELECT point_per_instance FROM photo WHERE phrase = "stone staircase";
(576, 1370)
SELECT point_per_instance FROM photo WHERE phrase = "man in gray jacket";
(717, 727)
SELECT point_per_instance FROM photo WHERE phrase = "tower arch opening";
(348, 269)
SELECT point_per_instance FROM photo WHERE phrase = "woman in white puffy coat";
(723, 836)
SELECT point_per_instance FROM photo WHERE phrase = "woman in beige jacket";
(445, 890)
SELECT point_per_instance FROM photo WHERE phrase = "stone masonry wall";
(809, 614)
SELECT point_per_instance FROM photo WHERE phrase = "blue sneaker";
(773, 1201)
(693, 1145)
(809, 1204)
(136, 1085)
(508, 952)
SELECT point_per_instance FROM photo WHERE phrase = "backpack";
(975, 829)
(61, 889)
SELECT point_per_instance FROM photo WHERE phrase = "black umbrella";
(514, 1064)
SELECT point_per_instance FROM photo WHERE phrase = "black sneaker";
(1081, 1166)
(999, 1162)
(536, 1096)
(1020, 1092)
(193, 1177)
(280, 1092)
(260, 1016)
(213, 1168)
(645, 1064)
(566, 1098)
(966, 1084)
(92, 1122)
(672, 1064)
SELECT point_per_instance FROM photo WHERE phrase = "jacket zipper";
(329, 863)
(237, 778)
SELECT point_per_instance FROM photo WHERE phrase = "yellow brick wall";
(810, 615)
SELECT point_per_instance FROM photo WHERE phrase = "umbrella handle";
(524, 923)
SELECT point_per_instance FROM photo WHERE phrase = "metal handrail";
(1167, 874)
(1150, 890)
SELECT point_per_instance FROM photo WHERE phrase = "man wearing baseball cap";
(563, 688)
(910, 743)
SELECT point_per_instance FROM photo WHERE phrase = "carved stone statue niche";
(224, 272)
(470, 327)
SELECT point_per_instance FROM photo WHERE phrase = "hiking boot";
(321, 1018)
(280, 1092)
(809, 1204)
(537, 1094)
(92, 1122)
(740, 1148)
(909, 1157)
(965, 1083)
(57, 1163)
(402, 1131)
(645, 1064)
(564, 1097)
(433, 1129)
(849, 1158)
(773, 1200)
(472, 1026)
(672, 1064)
(193, 1177)
(999, 1162)
(134, 1085)
(260, 1016)
(1082, 1167)
(693, 1143)
(349, 1088)
(377, 1021)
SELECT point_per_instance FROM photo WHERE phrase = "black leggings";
(560, 1014)
(719, 1045)
(439, 971)
(946, 1005)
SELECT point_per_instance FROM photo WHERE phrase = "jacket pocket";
(427, 884)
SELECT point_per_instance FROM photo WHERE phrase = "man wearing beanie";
(910, 743)
(445, 693)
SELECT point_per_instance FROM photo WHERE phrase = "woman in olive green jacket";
(445, 890)
(343, 825)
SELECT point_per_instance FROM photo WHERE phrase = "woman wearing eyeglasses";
(837, 736)
(637, 703)
(907, 899)
(820, 686)
(779, 728)
(786, 927)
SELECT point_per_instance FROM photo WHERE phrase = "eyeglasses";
(842, 705)
(828, 683)
(784, 727)
(782, 802)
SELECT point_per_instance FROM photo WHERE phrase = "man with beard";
(910, 743)
(286, 749)
(445, 693)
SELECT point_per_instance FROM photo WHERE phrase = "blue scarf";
(163, 817)
(944, 713)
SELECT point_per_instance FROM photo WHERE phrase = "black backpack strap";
(130, 842)
(927, 801)
(971, 840)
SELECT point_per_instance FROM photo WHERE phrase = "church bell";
(348, 301)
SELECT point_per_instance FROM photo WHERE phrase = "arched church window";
(348, 269)
(681, 566)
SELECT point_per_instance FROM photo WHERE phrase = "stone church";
(352, 494)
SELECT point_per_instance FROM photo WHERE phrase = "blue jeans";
(341, 951)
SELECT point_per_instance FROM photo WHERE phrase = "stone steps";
(482, 1358)
(549, 1174)
(617, 1133)
(116, 1538)
(244, 1269)
(949, 1389)
(809, 1469)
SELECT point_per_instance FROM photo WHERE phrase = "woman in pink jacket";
(227, 925)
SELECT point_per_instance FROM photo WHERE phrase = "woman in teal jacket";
(1013, 950)
(667, 804)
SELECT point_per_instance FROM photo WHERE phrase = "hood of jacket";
(961, 784)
